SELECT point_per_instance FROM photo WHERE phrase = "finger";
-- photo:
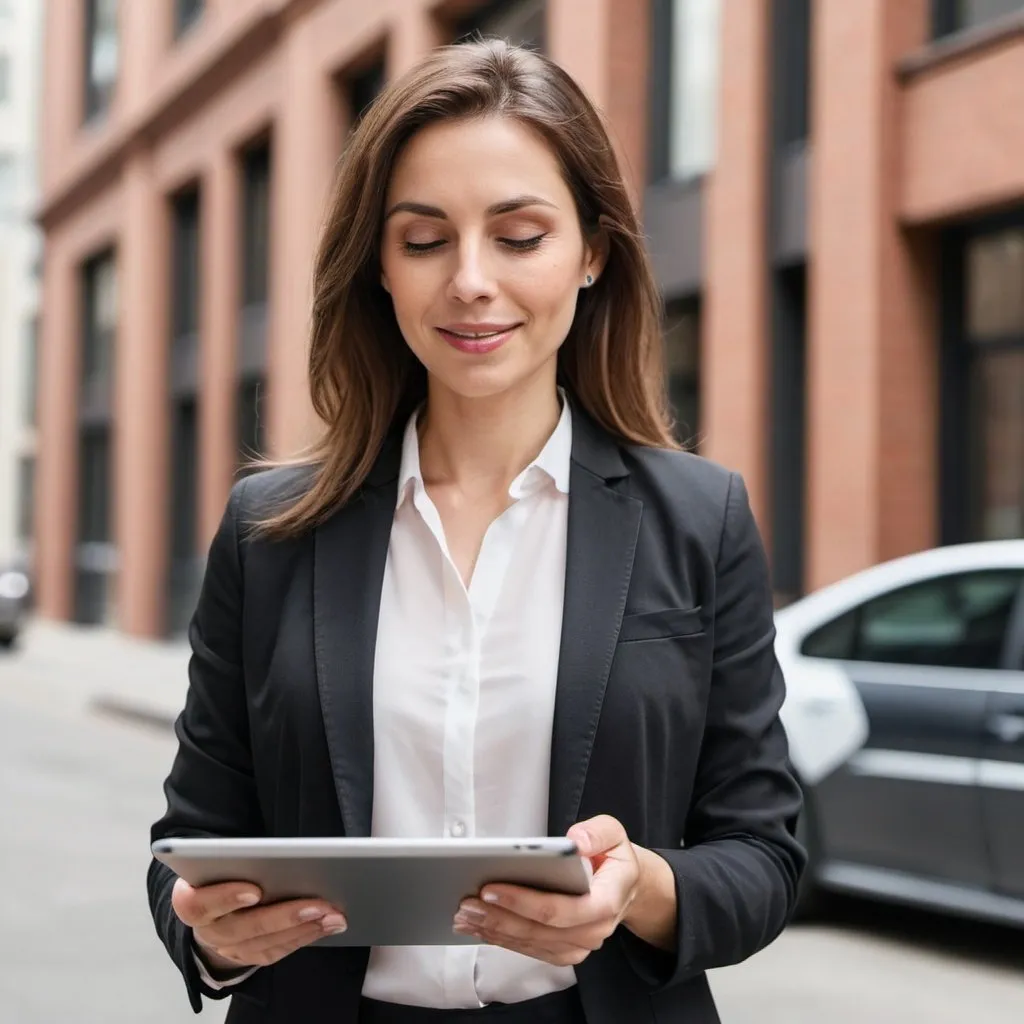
(552, 909)
(254, 952)
(201, 906)
(559, 954)
(497, 922)
(598, 835)
(244, 925)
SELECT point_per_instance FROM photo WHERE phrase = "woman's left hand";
(561, 930)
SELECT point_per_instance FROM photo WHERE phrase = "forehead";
(476, 161)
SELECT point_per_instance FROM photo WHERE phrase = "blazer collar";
(350, 553)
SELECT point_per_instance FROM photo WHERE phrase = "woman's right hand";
(231, 932)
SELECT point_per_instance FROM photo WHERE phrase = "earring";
(590, 280)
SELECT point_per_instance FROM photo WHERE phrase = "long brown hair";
(363, 378)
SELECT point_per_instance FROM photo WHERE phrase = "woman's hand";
(565, 930)
(231, 932)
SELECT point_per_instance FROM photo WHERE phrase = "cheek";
(549, 292)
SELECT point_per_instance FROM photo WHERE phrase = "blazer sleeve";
(211, 790)
(738, 871)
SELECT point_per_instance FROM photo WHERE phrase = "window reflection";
(101, 56)
(995, 285)
(997, 444)
(682, 366)
(693, 104)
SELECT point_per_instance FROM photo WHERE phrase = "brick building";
(833, 192)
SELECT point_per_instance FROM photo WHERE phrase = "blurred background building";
(833, 192)
(20, 70)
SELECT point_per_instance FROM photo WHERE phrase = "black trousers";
(557, 1008)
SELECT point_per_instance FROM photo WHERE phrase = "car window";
(954, 621)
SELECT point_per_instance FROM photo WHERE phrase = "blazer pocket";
(661, 625)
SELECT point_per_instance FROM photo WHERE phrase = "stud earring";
(590, 280)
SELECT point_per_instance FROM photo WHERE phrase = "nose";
(472, 278)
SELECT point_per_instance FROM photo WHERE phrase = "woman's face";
(483, 255)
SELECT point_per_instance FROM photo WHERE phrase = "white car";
(905, 717)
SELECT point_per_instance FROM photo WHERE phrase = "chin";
(479, 385)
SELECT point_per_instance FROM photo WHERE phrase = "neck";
(483, 444)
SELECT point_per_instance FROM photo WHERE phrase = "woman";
(494, 600)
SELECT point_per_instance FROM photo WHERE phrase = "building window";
(5, 78)
(8, 185)
(95, 556)
(363, 89)
(26, 498)
(186, 14)
(252, 435)
(792, 59)
(100, 319)
(521, 22)
(256, 243)
(682, 368)
(101, 56)
(31, 396)
(994, 327)
(693, 92)
(185, 284)
(255, 225)
(957, 15)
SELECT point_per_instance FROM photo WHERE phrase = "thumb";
(597, 835)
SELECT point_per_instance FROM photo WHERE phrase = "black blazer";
(666, 716)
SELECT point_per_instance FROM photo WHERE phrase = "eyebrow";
(494, 210)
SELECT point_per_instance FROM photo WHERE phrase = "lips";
(477, 339)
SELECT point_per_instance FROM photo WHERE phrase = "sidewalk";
(97, 669)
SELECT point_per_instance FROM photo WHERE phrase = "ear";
(596, 246)
(384, 282)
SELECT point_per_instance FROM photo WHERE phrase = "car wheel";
(810, 898)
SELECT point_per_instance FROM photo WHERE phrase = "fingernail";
(334, 923)
(469, 912)
(248, 899)
(311, 913)
(490, 897)
(463, 929)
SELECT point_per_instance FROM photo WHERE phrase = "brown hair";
(363, 378)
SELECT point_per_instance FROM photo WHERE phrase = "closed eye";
(518, 244)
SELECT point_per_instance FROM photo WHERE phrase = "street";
(78, 790)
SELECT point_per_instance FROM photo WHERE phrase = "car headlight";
(13, 586)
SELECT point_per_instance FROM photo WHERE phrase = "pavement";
(88, 668)
(84, 747)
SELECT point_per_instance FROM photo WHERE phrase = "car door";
(922, 658)
(1001, 777)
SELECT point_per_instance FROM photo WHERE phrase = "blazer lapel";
(350, 551)
(603, 526)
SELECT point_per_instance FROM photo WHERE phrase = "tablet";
(393, 892)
